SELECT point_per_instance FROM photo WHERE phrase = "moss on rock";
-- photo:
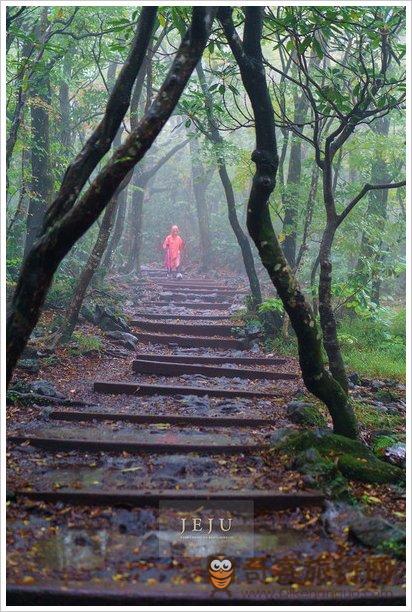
(353, 459)
(369, 470)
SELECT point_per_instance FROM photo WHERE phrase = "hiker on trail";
(173, 245)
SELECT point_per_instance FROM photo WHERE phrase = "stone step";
(173, 419)
(213, 359)
(113, 387)
(206, 329)
(192, 341)
(164, 368)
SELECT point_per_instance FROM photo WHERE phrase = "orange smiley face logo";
(221, 571)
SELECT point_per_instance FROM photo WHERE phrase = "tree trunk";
(117, 231)
(291, 197)
(65, 224)
(316, 378)
(241, 237)
(139, 185)
(370, 258)
(215, 137)
(73, 311)
(327, 316)
(199, 185)
(42, 181)
(64, 102)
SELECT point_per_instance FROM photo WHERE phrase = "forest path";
(189, 425)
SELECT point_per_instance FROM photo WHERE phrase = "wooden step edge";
(210, 359)
(183, 317)
(197, 594)
(172, 368)
(173, 419)
(113, 387)
(59, 444)
(191, 341)
(276, 500)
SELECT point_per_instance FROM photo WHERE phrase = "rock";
(30, 353)
(29, 365)
(170, 468)
(303, 413)
(355, 379)
(376, 384)
(353, 459)
(337, 517)
(253, 329)
(281, 436)
(109, 321)
(201, 466)
(150, 546)
(127, 340)
(380, 534)
(228, 407)
(44, 387)
(396, 454)
(194, 401)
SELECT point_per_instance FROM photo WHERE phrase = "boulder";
(108, 320)
(29, 365)
(303, 413)
(44, 387)
(338, 516)
(396, 454)
(125, 339)
(379, 534)
(353, 459)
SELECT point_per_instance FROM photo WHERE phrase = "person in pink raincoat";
(173, 246)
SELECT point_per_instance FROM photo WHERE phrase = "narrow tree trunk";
(243, 241)
(241, 237)
(42, 182)
(117, 231)
(20, 214)
(291, 197)
(64, 102)
(327, 316)
(73, 311)
(370, 256)
(199, 185)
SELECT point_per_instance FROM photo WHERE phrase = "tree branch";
(362, 193)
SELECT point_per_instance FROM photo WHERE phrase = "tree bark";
(317, 379)
(291, 198)
(65, 225)
(117, 231)
(376, 211)
(42, 180)
(93, 262)
(199, 185)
